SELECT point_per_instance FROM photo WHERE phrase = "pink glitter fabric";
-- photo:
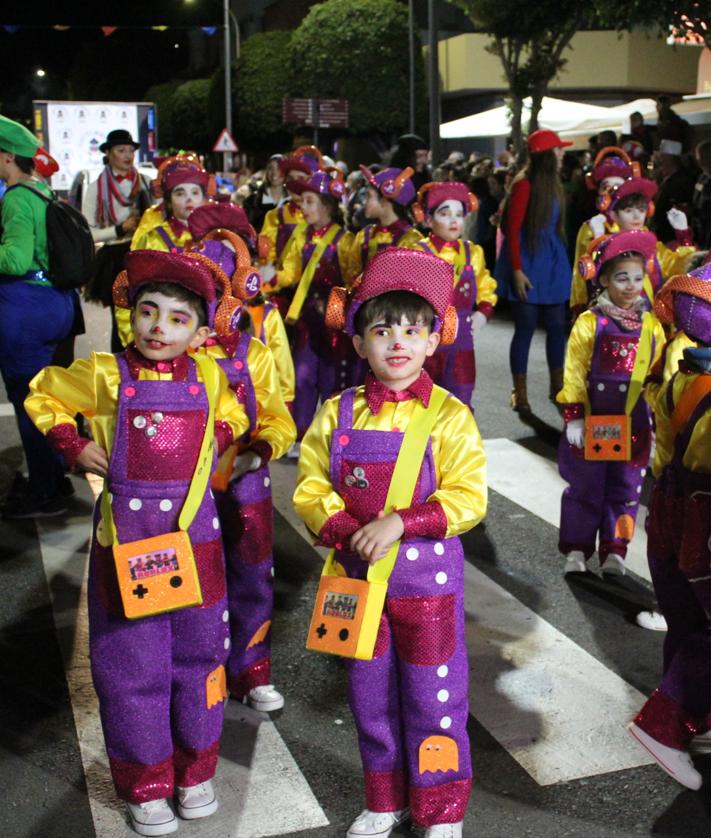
(193, 767)
(440, 804)
(177, 367)
(104, 570)
(424, 628)
(382, 641)
(65, 439)
(137, 783)
(223, 436)
(385, 791)
(262, 449)
(337, 531)
(211, 571)
(376, 393)
(667, 722)
(250, 530)
(575, 410)
(171, 452)
(424, 520)
(617, 353)
(257, 675)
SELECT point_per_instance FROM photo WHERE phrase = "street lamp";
(40, 72)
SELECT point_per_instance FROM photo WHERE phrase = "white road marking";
(255, 765)
(533, 482)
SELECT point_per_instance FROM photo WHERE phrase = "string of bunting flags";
(12, 29)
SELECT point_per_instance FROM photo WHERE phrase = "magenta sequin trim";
(138, 783)
(193, 767)
(376, 394)
(65, 439)
(262, 449)
(575, 410)
(257, 675)
(166, 449)
(667, 722)
(424, 520)
(211, 571)
(440, 804)
(617, 353)
(382, 641)
(338, 530)
(223, 436)
(424, 628)
(385, 791)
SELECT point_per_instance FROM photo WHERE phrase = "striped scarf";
(108, 191)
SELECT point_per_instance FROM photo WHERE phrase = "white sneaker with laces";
(376, 824)
(676, 763)
(445, 830)
(652, 620)
(574, 562)
(196, 801)
(152, 818)
(264, 698)
(613, 565)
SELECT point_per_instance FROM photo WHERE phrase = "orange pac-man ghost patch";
(216, 687)
(439, 753)
(260, 634)
(624, 527)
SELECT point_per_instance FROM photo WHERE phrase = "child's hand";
(373, 541)
(94, 459)
(575, 432)
(248, 461)
(678, 219)
(478, 322)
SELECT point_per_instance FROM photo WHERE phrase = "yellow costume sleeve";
(355, 263)
(673, 262)
(345, 243)
(151, 218)
(460, 462)
(578, 358)
(698, 452)
(663, 434)
(278, 342)
(269, 230)
(152, 240)
(290, 272)
(411, 239)
(485, 282)
(274, 422)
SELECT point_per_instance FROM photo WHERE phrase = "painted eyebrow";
(185, 311)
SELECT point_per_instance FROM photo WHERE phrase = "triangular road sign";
(225, 142)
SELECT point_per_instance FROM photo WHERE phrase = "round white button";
(412, 553)
(442, 696)
(639, 490)
(601, 386)
(443, 670)
(135, 504)
(157, 417)
(227, 643)
(225, 616)
(267, 481)
(216, 523)
(165, 505)
(439, 548)
(643, 472)
(623, 388)
(139, 421)
(445, 722)
(151, 432)
(441, 578)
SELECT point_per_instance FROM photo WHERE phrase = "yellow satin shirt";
(380, 236)
(698, 452)
(485, 282)
(274, 422)
(90, 387)
(460, 462)
(276, 339)
(292, 269)
(270, 227)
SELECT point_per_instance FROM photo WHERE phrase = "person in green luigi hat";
(35, 317)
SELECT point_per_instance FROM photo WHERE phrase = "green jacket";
(23, 246)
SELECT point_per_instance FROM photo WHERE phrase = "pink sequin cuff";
(683, 238)
(193, 767)
(573, 411)
(137, 783)
(667, 721)
(257, 675)
(262, 449)
(487, 309)
(65, 439)
(337, 531)
(424, 520)
(223, 436)
(385, 791)
(446, 803)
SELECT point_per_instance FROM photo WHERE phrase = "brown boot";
(519, 394)
(556, 383)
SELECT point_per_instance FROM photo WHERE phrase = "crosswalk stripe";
(255, 765)
(533, 482)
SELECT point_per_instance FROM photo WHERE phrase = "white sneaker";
(613, 565)
(152, 818)
(376, 824)
(294, 451)
(701, 743)
(676, 763)
(574, 562)
(264, 698)
(445, 830)
(197, 801)
(652, 620)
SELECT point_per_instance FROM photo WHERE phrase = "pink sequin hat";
(611, 161)
(393, 184)
(633, 186)
(227, 216)
(326, 183)
(306, 158)
(401, 269)
(181, 168)
(604, 248)
(685, 301)
(432, 195)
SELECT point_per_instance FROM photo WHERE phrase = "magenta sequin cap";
(393, 184)
(685, 300)
(401, 269)
(612, 166)
(602, 250)
(633, 186)
(228, 216)
(326, 183)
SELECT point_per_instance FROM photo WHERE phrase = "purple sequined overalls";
(151, 674)
(247, 524)
(679, 553)
(324, 360)
(603, 496)
(410, 702)
(453, 366)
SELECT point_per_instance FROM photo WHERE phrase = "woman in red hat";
(533, 270)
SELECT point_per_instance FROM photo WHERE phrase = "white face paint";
(630, 218)
(624, 285)
(185, 198)
(164, 327)
(447, 222)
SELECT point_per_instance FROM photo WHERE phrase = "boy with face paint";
(390, 193)
(413, 692)
(157, 677)
(603, 496)
(445, 206)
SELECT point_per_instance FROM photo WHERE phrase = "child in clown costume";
(444, 207)
(603, 495)
(415, 687)
(679, 537)
(243, 495)
(315, 262)
(390, 193)
(159, 678)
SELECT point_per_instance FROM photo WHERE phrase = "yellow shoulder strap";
(642, 363)
(307, 276)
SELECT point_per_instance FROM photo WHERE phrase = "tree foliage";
(357, 50)
(189, 115)
(162, 96)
